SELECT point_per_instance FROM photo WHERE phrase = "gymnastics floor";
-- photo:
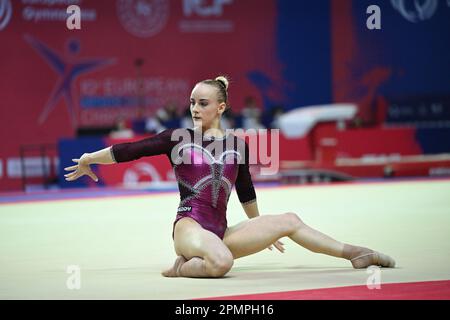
(121, 242)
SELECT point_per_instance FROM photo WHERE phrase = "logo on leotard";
(184, 209)
(143, 18)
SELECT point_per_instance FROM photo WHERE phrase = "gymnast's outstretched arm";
(123, 152)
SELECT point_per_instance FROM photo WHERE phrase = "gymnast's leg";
(256, 234)
(201, 253)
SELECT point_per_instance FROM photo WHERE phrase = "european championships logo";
(5, 13)
(68, 71)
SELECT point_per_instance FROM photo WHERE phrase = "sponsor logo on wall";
(143, 18)
(37, 11)
(417, 10)
(139, 172)
(205, 17)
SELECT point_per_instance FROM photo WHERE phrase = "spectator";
(276, 112)
(153, 125)
(168, 116)
(165, 118)
(251, 115)
(186, 121)
(122, 131)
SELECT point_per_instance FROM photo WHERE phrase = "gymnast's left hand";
(279, 245)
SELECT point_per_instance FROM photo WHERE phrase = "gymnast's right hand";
(80, 169)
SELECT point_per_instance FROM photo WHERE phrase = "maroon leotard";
(206, 169)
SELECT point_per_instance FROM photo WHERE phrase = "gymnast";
(207, 163)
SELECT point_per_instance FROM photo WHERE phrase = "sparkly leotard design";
(205, 173)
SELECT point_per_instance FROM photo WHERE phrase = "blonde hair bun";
(223, 80)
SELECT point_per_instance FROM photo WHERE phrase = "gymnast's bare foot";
(361, 257)
(174, 271)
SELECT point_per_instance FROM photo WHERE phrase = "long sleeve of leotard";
(244, 184)
(158, 144)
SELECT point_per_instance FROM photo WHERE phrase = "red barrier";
(331, 143)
